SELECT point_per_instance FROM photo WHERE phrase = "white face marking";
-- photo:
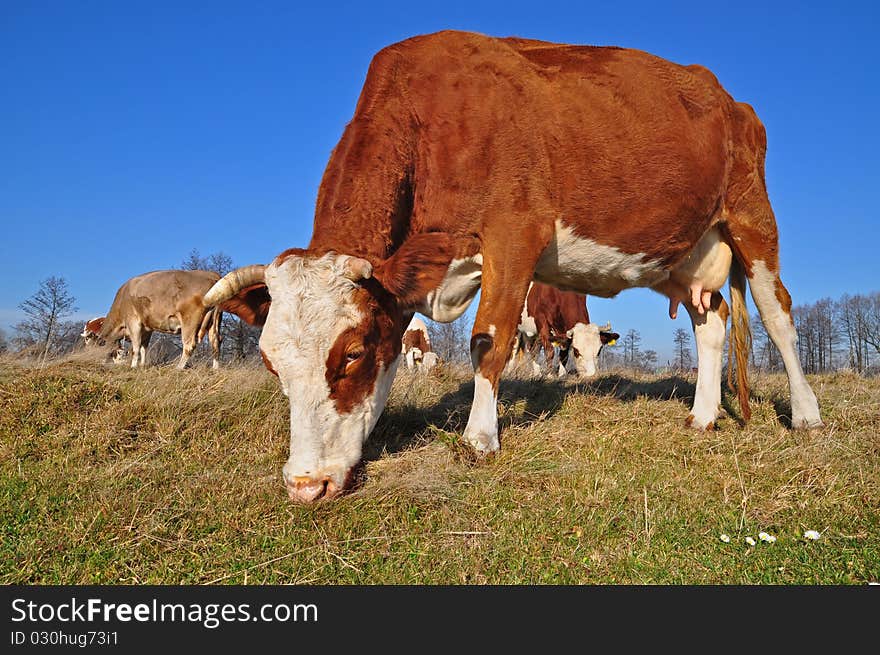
(460, 284)
(586, 343)
(778, 323)
(312, 304)
(575, 264)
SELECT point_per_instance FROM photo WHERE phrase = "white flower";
(750, 541)
(725, 538)
(812, 535)
(769, 538)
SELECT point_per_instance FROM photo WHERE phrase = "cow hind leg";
(774, 306)
(709, 322)
(215, 338)
(752, 226)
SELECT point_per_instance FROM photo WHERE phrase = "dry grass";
(162, 476)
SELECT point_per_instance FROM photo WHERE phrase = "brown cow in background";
(416, 349)
(161, 301)
(559, 319)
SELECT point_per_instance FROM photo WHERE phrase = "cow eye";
(353, 356)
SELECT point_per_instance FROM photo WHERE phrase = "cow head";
(587, 341)
(91, 333)
(332, 334)
(96, 336)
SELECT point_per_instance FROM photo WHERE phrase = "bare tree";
(451, 341)
(765, 355)
(630, 342)
(682, 340)
(872, 321)
(239, 340)
(219, 262)
(649, 360)
(4, 344)
(45, 311)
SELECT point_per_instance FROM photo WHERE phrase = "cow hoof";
(484, 444)
(707, 424)
(803, 423)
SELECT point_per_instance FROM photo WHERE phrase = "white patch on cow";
(455, 293)
(709, 332)
(527, 323)
(482, 426)
(418, 324)
(492, 330)
(779, 326)
(585, 346)
(706, 265)
(430, 360)
(312, 304)
(572, 263)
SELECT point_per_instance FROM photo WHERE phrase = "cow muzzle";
(302, 489)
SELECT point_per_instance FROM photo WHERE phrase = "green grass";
(168, 477)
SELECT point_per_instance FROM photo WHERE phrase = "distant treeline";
(832, 335)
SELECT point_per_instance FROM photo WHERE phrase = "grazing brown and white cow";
(416, 346)
(474, 161)
(160, 301)
(559, 319)
(90, 333)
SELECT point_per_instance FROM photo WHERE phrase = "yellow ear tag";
(611, 343)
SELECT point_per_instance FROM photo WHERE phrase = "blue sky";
(132, 132)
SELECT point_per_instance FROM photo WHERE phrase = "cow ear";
(609, 338)
(570, 334)
(417, 268)
(251, 304)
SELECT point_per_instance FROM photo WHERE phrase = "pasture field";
(113, 476)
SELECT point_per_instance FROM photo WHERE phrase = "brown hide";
(555, 312)
(415, 339)
(466, 135)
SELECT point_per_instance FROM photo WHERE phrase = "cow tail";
(215, 325)
(740, 342)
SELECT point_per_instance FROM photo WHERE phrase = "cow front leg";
(709, 328)
(494, 330)
(189, 345)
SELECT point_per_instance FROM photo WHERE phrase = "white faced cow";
(160, 301)
(554, 319)
(416, 346)
(477, 161)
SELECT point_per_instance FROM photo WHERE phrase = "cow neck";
(365, 201)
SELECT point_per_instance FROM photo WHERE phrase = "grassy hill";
(162, 476)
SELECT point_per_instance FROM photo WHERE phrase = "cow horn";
(606, 328)
(357, 269)
(233, 282)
